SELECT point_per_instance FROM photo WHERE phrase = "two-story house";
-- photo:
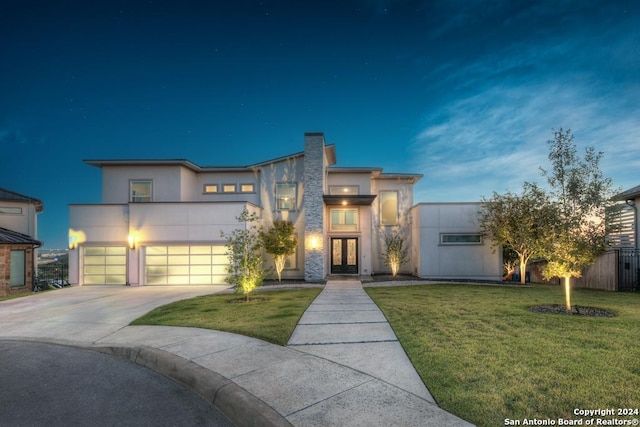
(18, 241)
(160, 221)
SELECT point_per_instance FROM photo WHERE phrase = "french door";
(344, 255)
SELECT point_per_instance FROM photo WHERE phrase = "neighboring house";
(160, 221)
(18, 241)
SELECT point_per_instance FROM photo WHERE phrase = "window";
(286, 196)
(141, 191)
(17, 269)
(12, 210)
(228, 188)
(247, 188)
(460, 238)
(344, 190)
(344, 220)
(211, 188)
(388, 207)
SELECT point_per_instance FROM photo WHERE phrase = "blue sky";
(465, 92)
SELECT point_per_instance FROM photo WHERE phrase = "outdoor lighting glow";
(314, 243)
(133, 241)
(344, 203)
(75, 238)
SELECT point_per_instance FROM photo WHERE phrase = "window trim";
(397, 206)
(462, 243)
(131, 196)
(295, 196)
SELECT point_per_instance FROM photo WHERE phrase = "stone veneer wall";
(314, 259)
(5, 269)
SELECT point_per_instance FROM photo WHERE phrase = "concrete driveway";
(88, 313)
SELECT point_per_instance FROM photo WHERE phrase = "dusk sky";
(465, 92)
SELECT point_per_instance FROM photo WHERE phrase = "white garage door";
(105, 265)
(185, 265)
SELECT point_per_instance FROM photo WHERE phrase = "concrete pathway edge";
(238, 405)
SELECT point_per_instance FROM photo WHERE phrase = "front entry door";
(344, 255)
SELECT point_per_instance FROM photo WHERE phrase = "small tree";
(521, 223)
(280, 242)
(244, 245)
(395, 254)
(582, 194)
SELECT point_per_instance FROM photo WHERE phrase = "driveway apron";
(345, 326)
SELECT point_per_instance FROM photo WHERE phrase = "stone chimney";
(313, 203)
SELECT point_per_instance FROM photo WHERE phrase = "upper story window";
(141, 191)
(344, 220)
(211, 188)
(228, 188)
(388, 208)
(11, 210)
(344, 190)
(286, 196)
(247, 188)
(460, 238)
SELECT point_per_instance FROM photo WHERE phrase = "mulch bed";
(575, 310)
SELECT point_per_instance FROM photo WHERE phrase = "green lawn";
(272, 319)
(485, 357)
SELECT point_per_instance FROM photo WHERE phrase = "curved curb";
(238, 405)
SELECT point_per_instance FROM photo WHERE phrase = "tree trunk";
(523, 269)
(567, 293)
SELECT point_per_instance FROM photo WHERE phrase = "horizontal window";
(228, 188)
(12, 210)
(247, 188)
(211, 188)
(344, 220)
(346, 190)
(460, 238)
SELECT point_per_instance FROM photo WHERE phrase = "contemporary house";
(160, 221)
(18, 241)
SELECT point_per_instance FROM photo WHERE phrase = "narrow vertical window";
(17, 270)
(388, 207)
(286, 196)
(141, 191)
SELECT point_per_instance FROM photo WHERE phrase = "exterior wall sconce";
(133, 241)
(314, 243)
(73, 243)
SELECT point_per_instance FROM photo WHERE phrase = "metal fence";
(628, 270)
(54, 274)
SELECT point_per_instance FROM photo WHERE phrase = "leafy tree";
(520, 223)
(244, 246)
(582, 193)
(280, 242)
(395, 254)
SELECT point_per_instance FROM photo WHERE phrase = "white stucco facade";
(160, 221)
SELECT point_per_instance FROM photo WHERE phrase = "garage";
(105, 265)
(185, 265)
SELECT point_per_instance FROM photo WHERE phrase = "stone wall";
(5, 269)
(313, 204)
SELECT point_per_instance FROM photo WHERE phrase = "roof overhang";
(349, 200)
(630, 194)
(10, 237)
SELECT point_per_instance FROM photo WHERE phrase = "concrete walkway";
(344, 365)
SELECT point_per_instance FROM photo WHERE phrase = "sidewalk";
(343, 366)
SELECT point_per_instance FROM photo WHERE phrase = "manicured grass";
(272, 318)
(485, 357)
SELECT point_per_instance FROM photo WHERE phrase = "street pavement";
(343, 365)
(59, 386)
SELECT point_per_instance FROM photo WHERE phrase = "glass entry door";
(344, 255)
